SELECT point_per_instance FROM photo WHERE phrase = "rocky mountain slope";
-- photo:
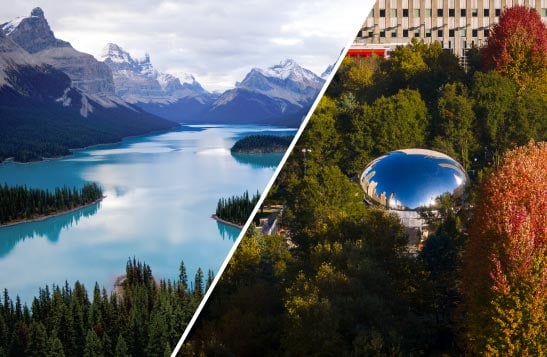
(139, 83)
(53, 97)
(136, 80)
(281, 95)
(34, 35)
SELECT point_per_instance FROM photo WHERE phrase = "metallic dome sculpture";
(412, 178)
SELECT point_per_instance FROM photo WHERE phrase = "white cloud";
(216, 41)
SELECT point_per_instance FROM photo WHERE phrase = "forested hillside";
(37, 125)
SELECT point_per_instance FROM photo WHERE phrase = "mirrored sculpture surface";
(412, 178)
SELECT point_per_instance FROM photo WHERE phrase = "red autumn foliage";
(517, 45)
(505, 262)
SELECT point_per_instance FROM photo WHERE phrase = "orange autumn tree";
(505, 262)
(517, 46)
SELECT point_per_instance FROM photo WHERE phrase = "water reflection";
(157, 208)
(412, 178)
(260, 160)
(50, 228)
(227, 231)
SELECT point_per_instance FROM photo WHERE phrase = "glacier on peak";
(288, 68)
(137, 80)
(286, 80)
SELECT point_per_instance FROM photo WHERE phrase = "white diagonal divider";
(358, 11)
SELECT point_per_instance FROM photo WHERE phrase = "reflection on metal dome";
(412, 178)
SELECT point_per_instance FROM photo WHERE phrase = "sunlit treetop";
(517, 46)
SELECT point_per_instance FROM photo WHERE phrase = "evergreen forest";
(262, 144)
(19, 203)
(237, 209)
(141, 317)
(340, 281)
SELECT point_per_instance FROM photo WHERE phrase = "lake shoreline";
(218, 219)
(72, 150)
(56, 214)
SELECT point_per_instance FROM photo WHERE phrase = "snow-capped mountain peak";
(288, 68)
(115, 54)
(187, 78)
(8, 27)
(137, 80)
(286, 80)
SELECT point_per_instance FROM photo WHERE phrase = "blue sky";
(216, 41)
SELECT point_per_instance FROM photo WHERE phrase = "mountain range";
(54, 98)
(279, 95)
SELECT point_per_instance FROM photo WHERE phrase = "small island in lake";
(236, 210)
(262, 144)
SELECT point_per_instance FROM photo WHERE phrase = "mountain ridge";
(55, 98)
(280, 94)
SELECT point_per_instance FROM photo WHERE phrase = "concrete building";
(456, 24)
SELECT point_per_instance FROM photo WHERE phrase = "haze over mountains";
(279, 95)
(53, 97)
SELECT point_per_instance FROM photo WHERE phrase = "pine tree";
(210, 278)
(157, 335)
(121, 348)
(183, 276)
(55, 347)
(198, 283)
(93, 346)
(37, 340)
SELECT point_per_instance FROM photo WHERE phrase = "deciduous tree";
(505, 264)
(517, 46)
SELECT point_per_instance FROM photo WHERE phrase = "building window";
(428, 33)
(393, 12)
(440, 12)
(371, 13)
(463, 12)
(475, 33)
(405, 33)
(370, 34)
(416, 12)
(486, 32)
(439, 33)
(486, 12)
(382, 12)
(450, 33)
(474, 12)
(382, 34)
(394, 33)
(498, 12)
(544, 12)
(405, 12)
(428, 12)
(451, 12)
(417, 33)
(463, 33)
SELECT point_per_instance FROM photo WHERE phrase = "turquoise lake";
(160, 193)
